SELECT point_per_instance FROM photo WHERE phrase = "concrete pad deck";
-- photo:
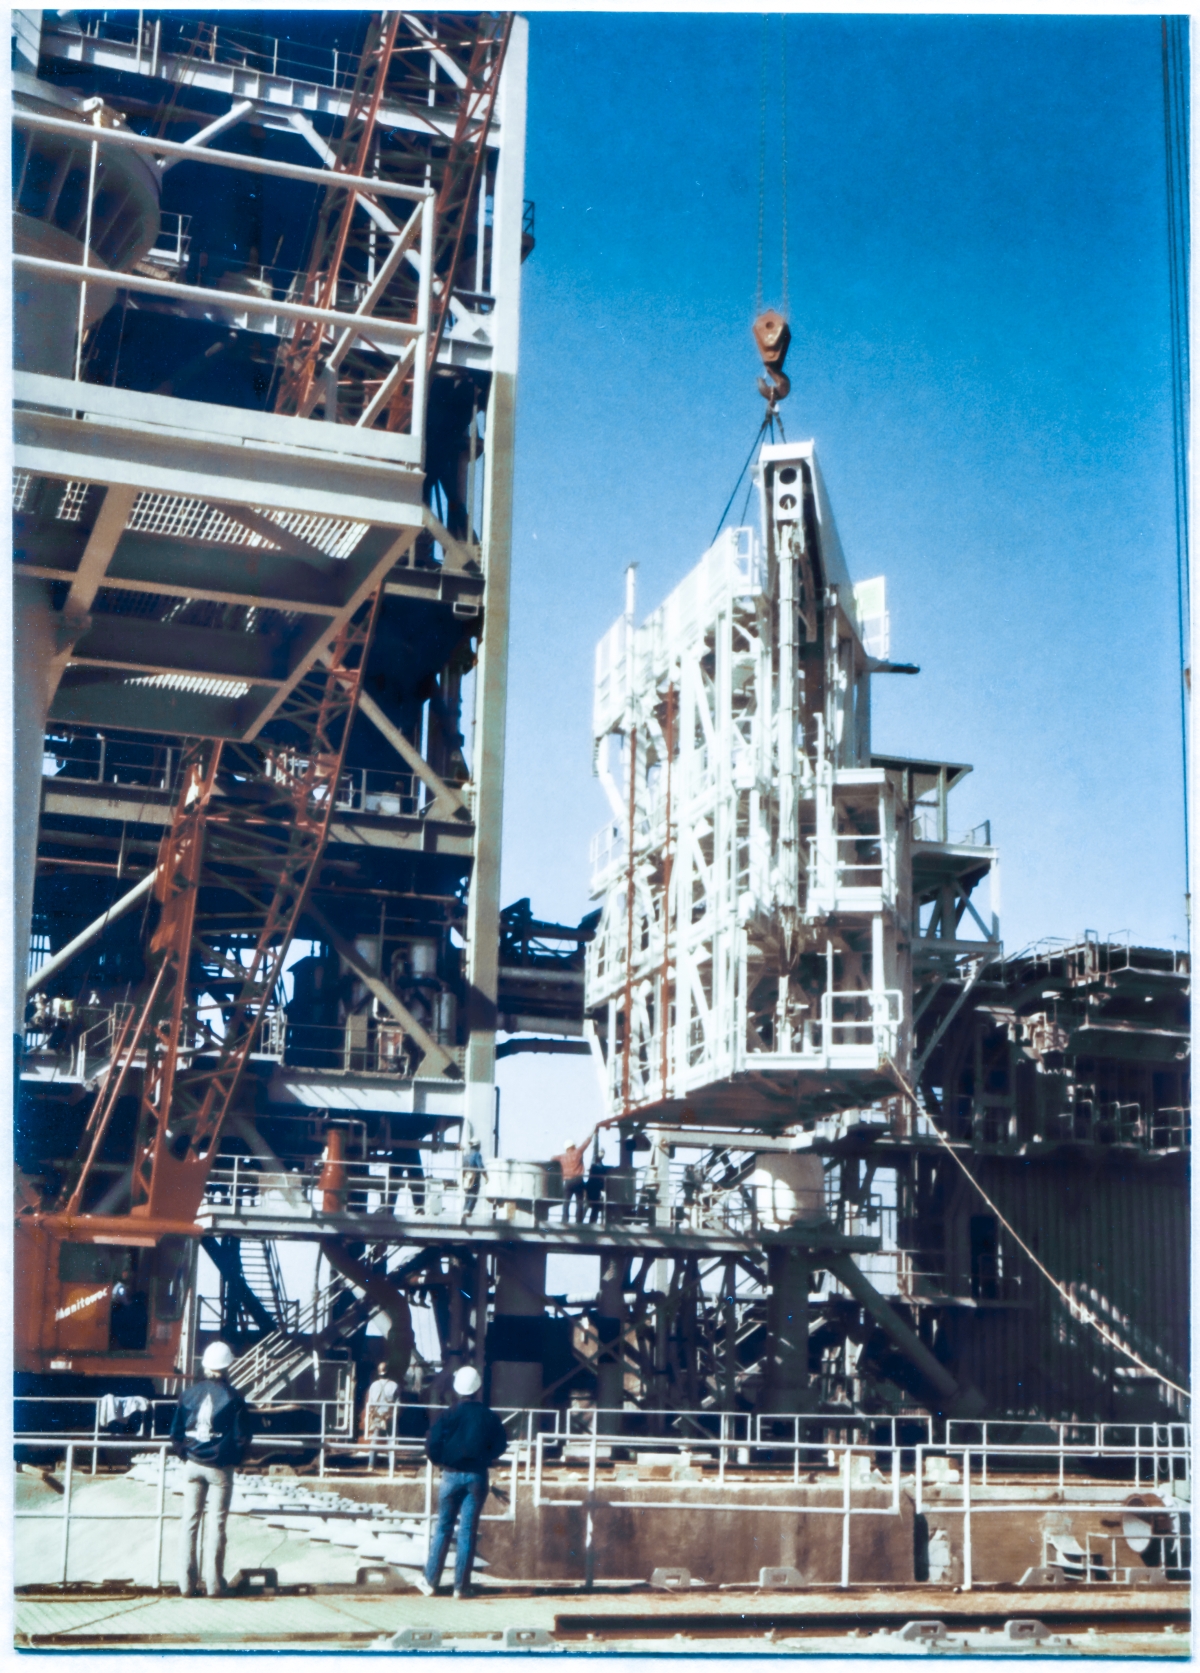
(858, 1621)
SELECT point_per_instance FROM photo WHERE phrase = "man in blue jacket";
(464, 1441)
(211, 1432)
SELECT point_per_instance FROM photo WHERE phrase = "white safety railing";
(260, 1187)
(1042, 1475)
(411, 233)
(788, 1465)
(70, 1513)
(164, 35)
(835, 1463)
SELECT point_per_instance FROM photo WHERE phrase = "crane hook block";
(773, 338)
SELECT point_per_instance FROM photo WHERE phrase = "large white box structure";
(754, 959)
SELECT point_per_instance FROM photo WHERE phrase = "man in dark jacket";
(211, 1432)
(464, 1441)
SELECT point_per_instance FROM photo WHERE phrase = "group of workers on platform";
(583, 1185)
(212, 1431)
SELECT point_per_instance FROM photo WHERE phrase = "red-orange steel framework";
(329, 246)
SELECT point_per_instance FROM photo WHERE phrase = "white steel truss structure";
(755, 951)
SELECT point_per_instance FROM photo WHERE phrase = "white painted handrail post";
(589, 1525)
(846, 1455)
(966, 1579)
(162, 1511)
(66, 1534)
(96, 1437)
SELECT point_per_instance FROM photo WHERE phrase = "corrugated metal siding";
(1115, 1231)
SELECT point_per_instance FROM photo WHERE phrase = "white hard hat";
(467, 1380)
(218, 1356)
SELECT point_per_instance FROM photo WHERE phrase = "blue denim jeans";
(204, 1485)
(461, 1499)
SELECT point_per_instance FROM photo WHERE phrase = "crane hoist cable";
(762, 166)
(772, 334)
(771, 331)
(1175, 150)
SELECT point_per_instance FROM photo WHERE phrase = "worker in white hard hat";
(211, 1432)
(465, 1440)
(379, 1413)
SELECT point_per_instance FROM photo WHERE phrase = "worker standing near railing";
(472, 1170)
(383, 1396)
(465, 1441)
(211, 1432)
(572, 1161)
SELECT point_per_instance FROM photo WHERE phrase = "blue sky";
(979, 310)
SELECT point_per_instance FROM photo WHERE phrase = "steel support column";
(785, 1387)
(610, 1321)
(516, 1348)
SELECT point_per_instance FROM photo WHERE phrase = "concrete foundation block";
(527, 1638)
(779, 1579)
(379, 1577)
(416, 1638)
(922, 1632)
(1025, 1632)
(671, 1579)
(255, 1580)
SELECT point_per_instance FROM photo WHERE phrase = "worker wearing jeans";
(464, 1441)
(211, 1432)
(206, 1489)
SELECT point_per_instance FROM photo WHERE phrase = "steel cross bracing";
(249, 829)
(758, 920)
(361, 251)
(296, 393)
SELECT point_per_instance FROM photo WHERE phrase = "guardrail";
(751, 1433)
(991, 1478)
(161, 35)
(956, 1495)
(70, 1515)
(260, 1187)
(404, 341)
